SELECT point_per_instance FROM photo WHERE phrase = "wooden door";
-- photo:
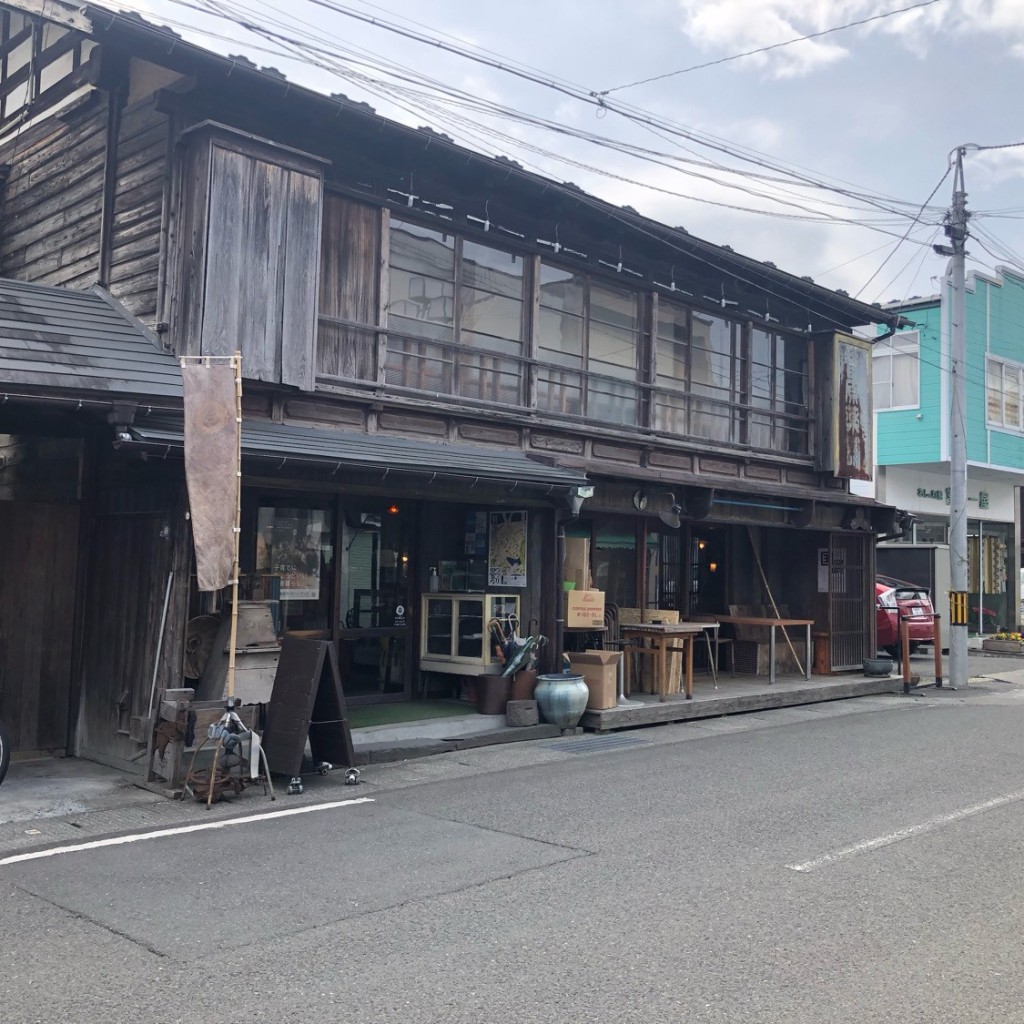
(38, 563)
(851, 608)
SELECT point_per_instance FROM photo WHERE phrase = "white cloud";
(726, 27)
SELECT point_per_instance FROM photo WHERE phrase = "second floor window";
(588, 347)
(1004, 384)
(455, 316)
(895, 368)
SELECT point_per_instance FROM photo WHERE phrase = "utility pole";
(956, 232)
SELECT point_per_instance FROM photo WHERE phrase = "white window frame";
(906, 343)
(1005, 366)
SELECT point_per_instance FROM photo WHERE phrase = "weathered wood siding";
(38, 556)
(135, 243)
(350, 272)
(50, 225)
(262, 253)
(127, 578)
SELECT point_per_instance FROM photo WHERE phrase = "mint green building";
(911, 401)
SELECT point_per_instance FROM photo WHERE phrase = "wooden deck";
(736, 695)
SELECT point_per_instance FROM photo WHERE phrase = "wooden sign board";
(307, 701)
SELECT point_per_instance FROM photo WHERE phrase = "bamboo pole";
(236, 363)
(775, 607)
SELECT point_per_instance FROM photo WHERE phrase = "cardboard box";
(584, 609)
(600, 671)
(577, 562)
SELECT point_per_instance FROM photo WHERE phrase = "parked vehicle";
(897, 598)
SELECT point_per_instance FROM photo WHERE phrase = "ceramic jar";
(562, 699)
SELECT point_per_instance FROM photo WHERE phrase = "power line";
(224, 10)
(765, 49)
(906, 234)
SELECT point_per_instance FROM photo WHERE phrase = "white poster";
(506, 559)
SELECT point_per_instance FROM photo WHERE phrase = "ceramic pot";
(562, 699)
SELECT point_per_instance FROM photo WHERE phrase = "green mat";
(367, 715)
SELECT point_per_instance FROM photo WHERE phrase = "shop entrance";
(375, 639)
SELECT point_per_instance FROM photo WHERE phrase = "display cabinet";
(453, 631)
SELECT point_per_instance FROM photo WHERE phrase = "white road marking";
(181, 830)
(906, 833)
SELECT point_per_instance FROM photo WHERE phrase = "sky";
(871, 110)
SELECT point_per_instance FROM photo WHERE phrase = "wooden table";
(662, 638)
(773, 624)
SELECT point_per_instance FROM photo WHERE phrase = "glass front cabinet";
(454, 635)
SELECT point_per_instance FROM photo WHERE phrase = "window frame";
(1004, 365)
(898, 345)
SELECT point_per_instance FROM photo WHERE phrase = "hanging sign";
(506, 559)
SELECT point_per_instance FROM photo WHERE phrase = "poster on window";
(506, 559)
(293, 551)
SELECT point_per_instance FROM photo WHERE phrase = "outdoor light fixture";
(712, 566)
(392, 510)
(671, 517)
(577, 496)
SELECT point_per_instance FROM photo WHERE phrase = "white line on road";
(906, 833)
(181, 830)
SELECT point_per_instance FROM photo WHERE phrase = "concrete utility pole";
(956, 232)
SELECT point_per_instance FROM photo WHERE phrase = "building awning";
(341, 450)
(79, 341)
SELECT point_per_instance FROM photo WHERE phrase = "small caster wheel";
(352, 777)
(325, 768)
(295, 787)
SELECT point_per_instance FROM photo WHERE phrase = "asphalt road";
(849, 862)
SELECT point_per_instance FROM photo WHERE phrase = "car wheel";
(893, 652)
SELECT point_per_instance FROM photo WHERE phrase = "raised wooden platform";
(735, 696)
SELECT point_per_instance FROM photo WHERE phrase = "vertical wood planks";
(262, 252)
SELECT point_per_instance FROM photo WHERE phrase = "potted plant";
(1003, 642)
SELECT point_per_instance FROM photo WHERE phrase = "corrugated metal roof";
(352, 451)
(82, 341)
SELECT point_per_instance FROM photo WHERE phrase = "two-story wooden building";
(443, 355)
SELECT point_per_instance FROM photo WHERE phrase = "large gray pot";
(562, 699)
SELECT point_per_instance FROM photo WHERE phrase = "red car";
(895, 598)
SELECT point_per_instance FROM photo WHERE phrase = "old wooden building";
(441, 352)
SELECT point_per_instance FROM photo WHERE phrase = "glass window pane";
(1011, 396)
(670, 413)
(672, 343)
(561, 289)
(994, 392)
(616, 306)
(561, 338)
(881, 367)
(711, 365)
(488, 313)
(559, 391)
(492, 270)
(711, 420)
(611, 349)
(418, 364)
(904, 379)
(421, 305)
(881, 397)
(614, 561)
(490, 378)
(611, 402)
(672, 322)
(422, 250)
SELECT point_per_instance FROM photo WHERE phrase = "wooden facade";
(383, 282)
